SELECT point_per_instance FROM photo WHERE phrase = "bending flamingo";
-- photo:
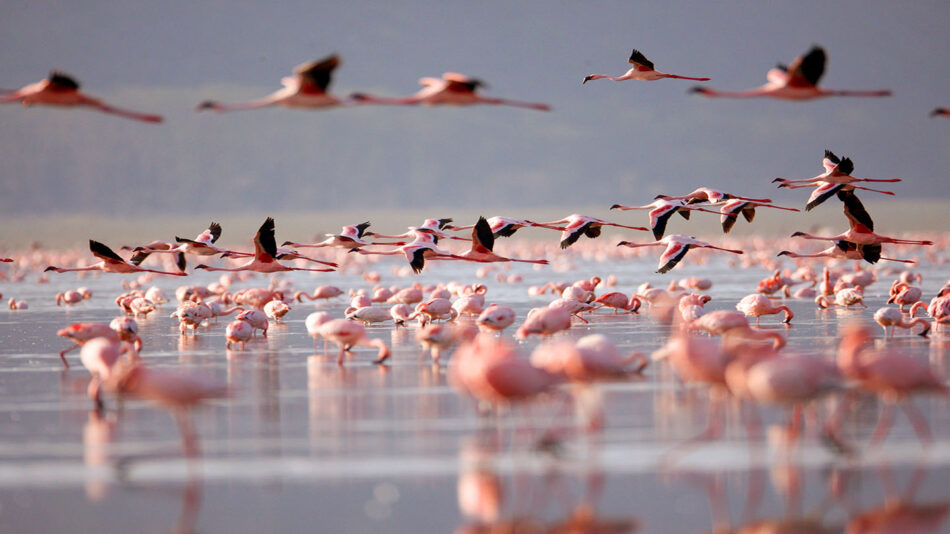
(676, 248)
(265, 255)
(452, 89)
(62, 90)
(306, 89)
(110, 263)
(642, 70)
(797, 81)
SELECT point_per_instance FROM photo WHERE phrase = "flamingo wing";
(482, 236)
(870, 253)
(62, 81)
(315, 76)
(822, 193)
(807, 70)
(265, 246)
(210, 235)
(846, 167)
(673, 254)
(361, 228)
(637, 59)
(659, 217)
(417, 259)
(854, 210)
(461, 83)
(572, 233)
(830, 160)
(104, 253)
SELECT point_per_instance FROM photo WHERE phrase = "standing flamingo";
(676, 248)
(642, 70)
(110, 263)
(62, 90)
(890, 317)
(452, 89)
(265, 252)
(306, 89)
(797, 81)
(757, 305)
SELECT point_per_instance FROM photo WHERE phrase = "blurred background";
(64, 173)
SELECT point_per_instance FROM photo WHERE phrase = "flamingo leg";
(883, 424)
(917, 420)
(189, 438)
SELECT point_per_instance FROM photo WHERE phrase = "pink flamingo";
(174, 391)
(642, 70)
(847, 250)
(62, 90)
(734, 323)
(110, 263)
(306, 89)
(265, 255)
(619, 301)
(904, 294)
(577, 225)
(99, 356)
(349, 237)
(676, 248)
(797, 81)
(80, 333)
(500, 226)
(496, 318)
(836, 178)
(238, 331)
(757, 305)
(710, 195)
(346, 334)
(416, 252)
(483, 243)
(890, 317)
(730, 210)
(544, 321)
(660, 212)
(892, 375)
(202, 245)
(452, 89)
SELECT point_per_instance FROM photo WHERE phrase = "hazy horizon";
(603, 142)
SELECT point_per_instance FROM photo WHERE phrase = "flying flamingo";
(265, 252)
(859, 234)
(847, 250)
(797, 81)
(349, 237)
(730, 210)
(708, 194)
(500, 226)
(676, 248)
(757, 304)
(201, 245)
(661, 210)
(416, 252)
(577, 225)
(642, 70)
(306, 89)
(111, 263)
(483, 242)
(837, 177)
(61, 89)
(452, 89)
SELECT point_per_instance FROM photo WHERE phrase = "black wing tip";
(59, 77)
(637, 56)
(846, 166)
(831, 156)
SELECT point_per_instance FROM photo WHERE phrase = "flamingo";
(349, 237)
(708, 194)
(797, 81)
(62, 90)
(110, 263)
(483, 243)
(238, 331)
(642, 70)
(416, 252)
(452, 89)
(80, 333)
(99, 356)
(859, 234)
(265, 252)
(676, 248)
(734, 323)
(904, 294)
(306, 89)
(544, 322)
(577, 225)
(174, 391)
(345, 334)
(496, 317)
(757, 305)
(847, 250)
(892, 375)
(843, 298)
(890, 317)
(837, 177)
(201, 245)
(730, 210)
(661, 210)
(500, 226)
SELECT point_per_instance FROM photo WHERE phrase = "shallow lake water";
(305, 445)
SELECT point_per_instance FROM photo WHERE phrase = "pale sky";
(604, 142)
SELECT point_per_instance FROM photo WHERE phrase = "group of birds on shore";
(308, 89)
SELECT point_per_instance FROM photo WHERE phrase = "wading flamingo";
(890, 318)
(757, 305)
